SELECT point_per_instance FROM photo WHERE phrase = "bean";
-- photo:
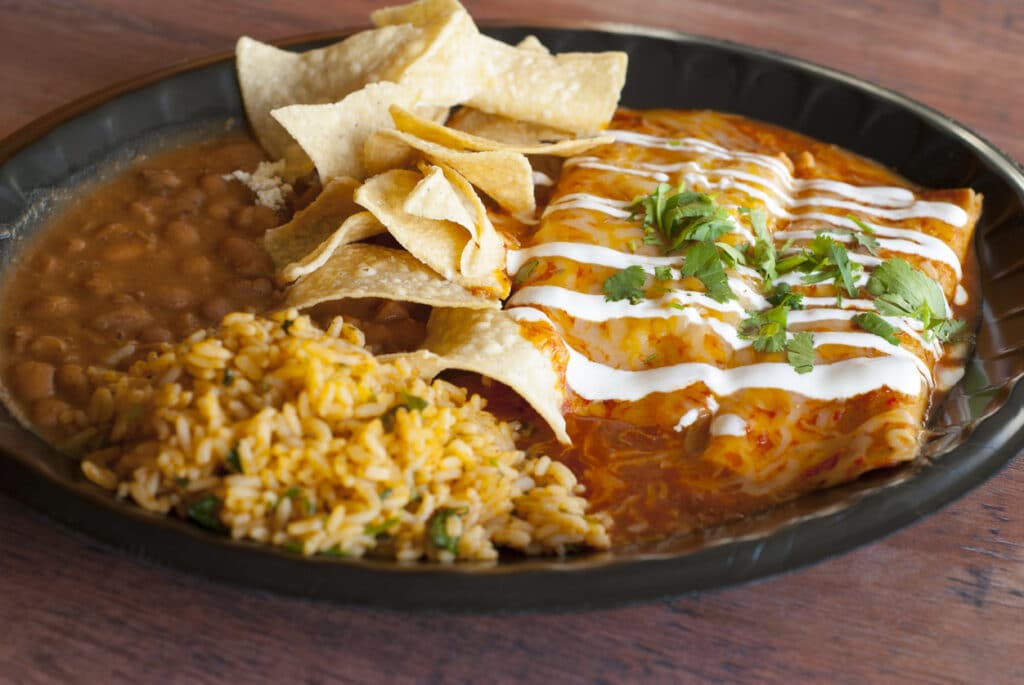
(47, 411)
(250, 288)
(155, 334)
(73, 382)
(99, 285)
(188, 201)
(44, 263)
(21, 336)
(147, 210)
(245, 257)
(122, 322)
(215, 308)
(181, 233)
(172, 296)
(160, 179)
(213, 184)
(48, 347)
(33, 380)
(114, 231)
(50, 306)
(196, 266)
(219, 210)
(124, 250)
(255, 219)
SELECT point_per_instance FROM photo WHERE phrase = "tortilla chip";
(439, 244)
(416, 13)
(458, 140)
(506, 176)
(504, 130)
(440, 61)
(493, 344)
(270, 78)
(436, 198)
(333, 135)
(313, 225)
(573, 91)
(381, 153)
(485, 254)
(357, 227)
(532, 44)
(373, 271)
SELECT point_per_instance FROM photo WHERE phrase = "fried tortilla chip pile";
(371, 115)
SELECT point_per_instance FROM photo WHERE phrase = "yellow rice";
(279, 432)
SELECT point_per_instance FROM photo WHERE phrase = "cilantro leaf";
(663, 273)
(374, 530)
(901, 290)
(628, 284)
(800, 352)
(234, 461)
(525, 271)
(762, 252)
(409, 402)
(873, 323)
(437, 530)
(672, 219)
(229, 377)
(704, 262)
(204, 511)
(784, 295)
(827, 260)
(730, 255)
(767, 329)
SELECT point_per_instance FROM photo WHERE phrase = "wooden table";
(940, 602)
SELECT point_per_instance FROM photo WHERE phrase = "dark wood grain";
(940, 602)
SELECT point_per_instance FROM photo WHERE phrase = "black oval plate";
(665, 70)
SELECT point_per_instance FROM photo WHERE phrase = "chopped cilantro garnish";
(873, 323)
(860, 224)
(704, 262)
(633, 245)
(672, 219)
(822, 260)
(525, 271)
(437, 529)
(784, 295)
(229, 377)
(234, 461)
(800, 352)
(767, 329)
(901, 290)
(294, 546)
(291, 493)
(310, 506)
(663, 273)
(409, 402)
(204, 512)
(628, 284)
(730, 255)
(649, 359)
(378, 528)
(762, 253)
(386, 492)
(287, 324)
(335, 551)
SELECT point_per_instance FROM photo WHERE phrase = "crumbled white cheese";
(271, 190)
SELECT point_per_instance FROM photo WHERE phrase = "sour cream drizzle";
(597, 382)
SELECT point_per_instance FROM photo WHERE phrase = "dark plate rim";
(529, 584)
